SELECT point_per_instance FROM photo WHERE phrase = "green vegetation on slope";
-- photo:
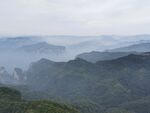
(94, 87)
(10, 102)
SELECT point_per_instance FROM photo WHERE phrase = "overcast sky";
(74, 17)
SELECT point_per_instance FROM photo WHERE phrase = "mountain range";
(113, 80)
(142, 47)
(21, 51)
(117, 85)
(95, 56)
(42, 48)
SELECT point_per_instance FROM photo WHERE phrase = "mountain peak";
(44, 60)
(79, 62)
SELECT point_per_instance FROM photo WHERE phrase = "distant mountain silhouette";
(142, 47)
(43, 48)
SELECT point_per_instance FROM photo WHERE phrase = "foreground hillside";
(11, 102)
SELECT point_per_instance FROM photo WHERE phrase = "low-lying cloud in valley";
(22, 51)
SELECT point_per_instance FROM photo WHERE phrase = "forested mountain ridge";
(100, 86)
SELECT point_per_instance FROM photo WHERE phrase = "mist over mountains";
(118, 85)
(21, 51)
(99, 74)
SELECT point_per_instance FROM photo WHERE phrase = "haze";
(74, 17)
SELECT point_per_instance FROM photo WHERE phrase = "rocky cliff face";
(17, 77)
(5, 77)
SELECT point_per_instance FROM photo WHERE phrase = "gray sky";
(74, 17)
